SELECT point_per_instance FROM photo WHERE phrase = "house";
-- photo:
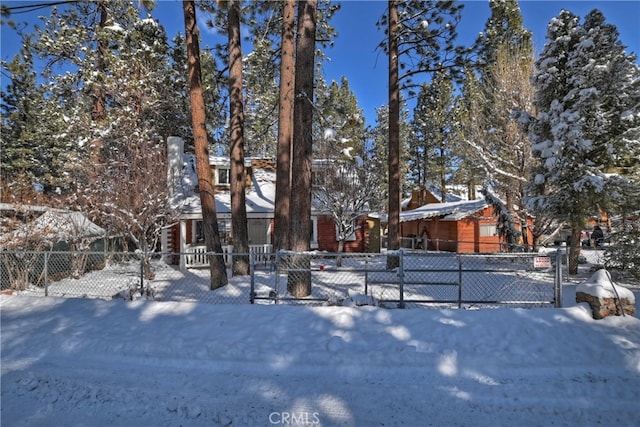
(458, 225)
(185, 236)
(52, 228)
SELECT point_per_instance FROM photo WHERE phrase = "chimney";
(175, 148)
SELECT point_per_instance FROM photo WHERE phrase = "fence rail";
(392, 279)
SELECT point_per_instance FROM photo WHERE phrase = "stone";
(605, 298)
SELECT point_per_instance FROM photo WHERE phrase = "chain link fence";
(418, 278)
(421, 279)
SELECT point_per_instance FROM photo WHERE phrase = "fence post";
(252, 271)
(401, 278)
(46, 274)
(144, 255)
(557, 282)
(366, 275)
(459, 281)
(277, 281)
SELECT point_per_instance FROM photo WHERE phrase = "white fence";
(196, 255)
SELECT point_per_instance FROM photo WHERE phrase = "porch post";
(164, 243)
(183, 244)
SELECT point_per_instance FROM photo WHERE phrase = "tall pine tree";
(583, 82)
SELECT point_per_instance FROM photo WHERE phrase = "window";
(224, 229)
(487, 230)
(223, 176)
(198, 233)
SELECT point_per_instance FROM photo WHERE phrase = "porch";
(195, 255)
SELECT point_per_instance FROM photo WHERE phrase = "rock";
(605, 298)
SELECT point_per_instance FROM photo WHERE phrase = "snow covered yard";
(149, 363)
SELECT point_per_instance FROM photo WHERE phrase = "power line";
(15, 10)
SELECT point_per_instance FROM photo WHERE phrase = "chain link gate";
(422, 278)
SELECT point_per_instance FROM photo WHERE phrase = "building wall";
(327, 236)
(455, 236)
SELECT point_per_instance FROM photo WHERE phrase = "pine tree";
(300, 215)
(338, 122)
(393, 159)
(498, 141)
(261, 103)
(33, 149)
(471, 127)
(285, 127)
(434, 134)
(377, 155)
(583, 90)
(209, 215)
(175, 80)
(503, 30)
(236, 144)
(420, 39)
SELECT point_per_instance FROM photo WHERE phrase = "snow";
(55, 225)
(121, 363)
(601, 285)
(449, 211)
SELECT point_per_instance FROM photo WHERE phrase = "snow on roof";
(453, 193)
(259, 196)
(58, 226)
(452, 211)
(67, 225)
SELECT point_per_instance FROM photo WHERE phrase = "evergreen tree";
(377, 154)
(499, 92)
(420, 39)
(217, 267)
(285, 127)
(213, 92)
(471, 172)
(33, 153)
(338, 122)
(503, 30)
(434, 134)
(261, 103)
(236, 144)
(299, 285)
(583, 83)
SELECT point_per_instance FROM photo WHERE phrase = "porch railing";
(196, 255)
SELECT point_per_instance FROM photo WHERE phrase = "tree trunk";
(285, 128)
(98, 111)
(205, 185)
(340, 251)
(393, 227)
(240, 263)
(574, 250)
(299, 284)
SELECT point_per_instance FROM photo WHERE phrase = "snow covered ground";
(93, 362)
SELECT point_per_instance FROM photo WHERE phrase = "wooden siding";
(327, 236)
(461, 236)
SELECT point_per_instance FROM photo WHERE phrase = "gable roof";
(56, 226)
(451, 211)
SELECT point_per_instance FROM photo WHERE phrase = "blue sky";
(354, 54)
